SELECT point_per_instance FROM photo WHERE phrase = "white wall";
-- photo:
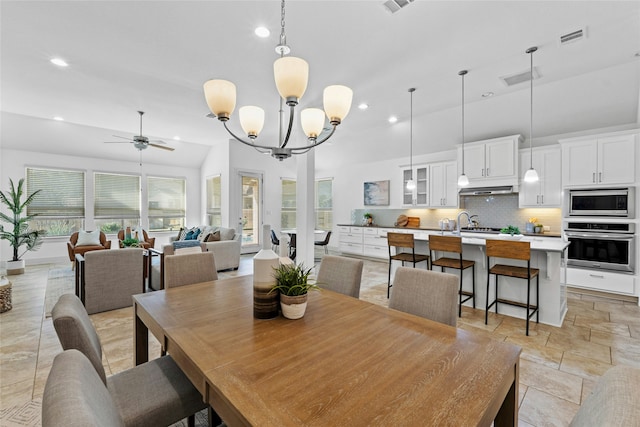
(14, 162)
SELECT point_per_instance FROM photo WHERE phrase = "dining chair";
(154, 393)
(403, 241)
(341, 274)
(515, 250)
(425, 293)
(275, 242)
(324, 242)
(453, 244)
(187, 269)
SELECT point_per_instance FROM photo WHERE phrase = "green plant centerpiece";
(292, 281)
(18, 233)
(131, 242)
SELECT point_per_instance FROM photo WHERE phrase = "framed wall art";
(376, 193)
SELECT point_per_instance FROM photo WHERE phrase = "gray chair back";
(426, 293)
(341, 274)
(75, 331)
(74, 396)
(180, 270)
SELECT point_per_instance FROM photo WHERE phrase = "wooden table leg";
(140, 339)
(508, 413)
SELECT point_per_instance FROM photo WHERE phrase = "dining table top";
(346, 362)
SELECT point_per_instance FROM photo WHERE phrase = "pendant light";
(531, 175)
(463, 181)
(411, 184)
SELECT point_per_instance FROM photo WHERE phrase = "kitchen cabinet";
(443, 185)
(547, 192)
(602, 281)
(599, 160)
(492, 162)
(351, 240)
(419, 196)
(375, 243)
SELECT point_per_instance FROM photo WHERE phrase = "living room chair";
(152, 394)
(79, 248)
(425, 293)
(324, 242)
(403, 241)
(106, 280)
(513, 250)
(144, 240)
(453, 244)
(187, 269)
(341, 274)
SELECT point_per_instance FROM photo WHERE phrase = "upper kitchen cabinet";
(599, 159)
(492, 162)
(547, 191)
(418, 196)
(444, 185)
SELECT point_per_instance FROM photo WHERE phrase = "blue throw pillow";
(185, 244)
(192, 234)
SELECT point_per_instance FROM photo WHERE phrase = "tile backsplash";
(493, 211)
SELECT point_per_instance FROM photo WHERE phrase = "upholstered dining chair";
(152, 394)
(341, 274)
(425, 293)
(187, 269)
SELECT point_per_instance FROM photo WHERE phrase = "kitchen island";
(547, 254)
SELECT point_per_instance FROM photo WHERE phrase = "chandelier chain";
(283, 37)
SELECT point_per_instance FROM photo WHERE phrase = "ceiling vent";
(392, 6)
(521, 77)
(573, 36)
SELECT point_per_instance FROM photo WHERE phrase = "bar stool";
(453, 244)
(403, 240)
(518, 251)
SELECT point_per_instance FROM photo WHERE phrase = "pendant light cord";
(463, 73)
(411, 90)
(530, 52)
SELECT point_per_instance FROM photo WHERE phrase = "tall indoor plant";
(18, 233)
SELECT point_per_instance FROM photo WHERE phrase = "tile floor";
(559, 366)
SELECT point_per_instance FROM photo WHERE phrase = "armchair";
(75, 249)
(146, 241)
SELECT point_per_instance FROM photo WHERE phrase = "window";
(167, 201)
(117, 201)
(60, 203)
(288, 209)
(214, 201)
(324, 204)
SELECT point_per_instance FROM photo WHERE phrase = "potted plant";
(368, 218)
(131, 242)
(18, 234)
(292, 281)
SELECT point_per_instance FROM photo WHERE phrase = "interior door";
(251, 211)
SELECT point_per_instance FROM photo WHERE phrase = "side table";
(5, 295)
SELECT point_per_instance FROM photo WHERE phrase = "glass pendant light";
(463, 181)
(411, 184)
(531, 175)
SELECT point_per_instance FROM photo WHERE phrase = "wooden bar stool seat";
(517, 251)
(403, 240)
(453, 244)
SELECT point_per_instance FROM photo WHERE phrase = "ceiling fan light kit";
(291, 77)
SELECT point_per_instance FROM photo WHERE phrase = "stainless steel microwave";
(603, 202)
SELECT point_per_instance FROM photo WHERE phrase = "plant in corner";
(18, 234)
(292, 281)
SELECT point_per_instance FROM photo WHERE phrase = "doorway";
(251, 211)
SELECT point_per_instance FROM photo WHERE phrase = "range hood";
(486, 191)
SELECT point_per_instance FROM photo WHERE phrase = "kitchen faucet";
(458, 221)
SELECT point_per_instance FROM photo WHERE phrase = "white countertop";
(548, 244)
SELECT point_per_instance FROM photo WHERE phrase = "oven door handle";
(601, 236)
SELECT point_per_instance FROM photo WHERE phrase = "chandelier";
(291, 77)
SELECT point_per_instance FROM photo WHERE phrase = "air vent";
(573, 36)
(392, 6)
(521, 77)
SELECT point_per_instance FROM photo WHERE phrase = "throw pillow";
(192, 234)
(213, 237)
(182, 233)
(186, 244)
(88, 238)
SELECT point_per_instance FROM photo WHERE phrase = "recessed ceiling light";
(176, 138)
(487, 94)
(58, 119)
(393, 119)
(262, 32)
(363, 106)
(59, 62)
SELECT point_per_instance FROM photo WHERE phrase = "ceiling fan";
(141, 142)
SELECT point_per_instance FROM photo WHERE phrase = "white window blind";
(324, 204)
(288, 208)
(61, 195)
(116, 196)
(214, 201)
(167, 202)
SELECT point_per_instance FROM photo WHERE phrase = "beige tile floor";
(559, 366)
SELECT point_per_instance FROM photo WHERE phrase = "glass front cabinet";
(418, 196)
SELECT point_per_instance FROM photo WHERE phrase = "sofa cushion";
(182, 233)
(88, 238)
(213, 236)
(227, 233)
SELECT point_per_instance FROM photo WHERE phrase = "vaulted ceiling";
(154, 56)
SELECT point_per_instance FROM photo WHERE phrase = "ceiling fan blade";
(162, 146)
(123, 137)
(118, 142)
(157, 141)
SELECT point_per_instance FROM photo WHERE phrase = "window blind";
(116, 196)
(167, 197)
(61, 195)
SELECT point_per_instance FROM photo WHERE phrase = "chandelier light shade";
(411, 184)
(463, 181)
(531, 175)
(291, 76)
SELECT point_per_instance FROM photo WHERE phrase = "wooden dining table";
(346, 362)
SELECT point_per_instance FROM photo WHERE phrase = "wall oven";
(601, 245)
(602, 202)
